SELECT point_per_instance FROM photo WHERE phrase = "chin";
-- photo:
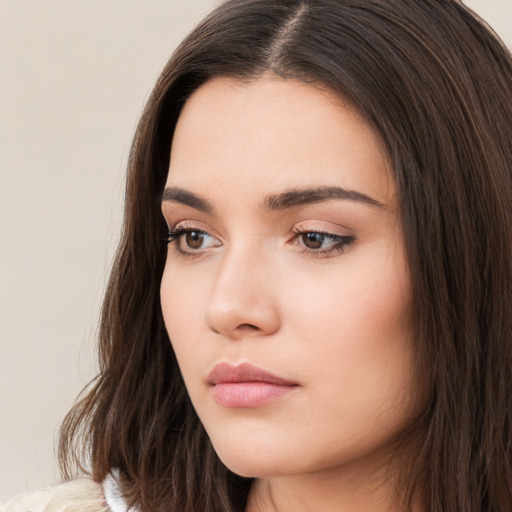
(251, 456)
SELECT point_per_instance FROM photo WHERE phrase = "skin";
(330, 314)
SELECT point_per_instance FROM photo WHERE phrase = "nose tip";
(242, 300)
(238, 320)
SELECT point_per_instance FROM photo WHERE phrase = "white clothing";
(82, 495)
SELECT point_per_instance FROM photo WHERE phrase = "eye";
(191, 241)
(319, 243)
(194, 239)
(313, 240)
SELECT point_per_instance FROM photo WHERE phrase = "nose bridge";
(242, 299)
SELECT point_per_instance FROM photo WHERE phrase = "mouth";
(246, 386)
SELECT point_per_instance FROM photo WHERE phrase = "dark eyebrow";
(179, 195)
(300, 197)
(282, 201)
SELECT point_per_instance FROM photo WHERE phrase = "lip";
(246, 386)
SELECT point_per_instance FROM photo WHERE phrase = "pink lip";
(245, 385)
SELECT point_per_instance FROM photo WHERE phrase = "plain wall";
(74, 76)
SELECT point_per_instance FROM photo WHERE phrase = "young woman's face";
(286, 292)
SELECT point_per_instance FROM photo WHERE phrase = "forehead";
(272, 133)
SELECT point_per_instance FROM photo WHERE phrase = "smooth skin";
(312, 287)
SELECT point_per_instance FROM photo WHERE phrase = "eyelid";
(180, 230)
(193, 225)
(186, 224)
(342, 239)
(327, 228)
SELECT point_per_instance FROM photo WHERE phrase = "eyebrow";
(182, 196)
(275, 202)
(301, 197)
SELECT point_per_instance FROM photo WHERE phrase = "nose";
(243, 300)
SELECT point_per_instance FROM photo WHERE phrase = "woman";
(320, 319)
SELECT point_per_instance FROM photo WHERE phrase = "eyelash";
(339, 245)
(175, 236)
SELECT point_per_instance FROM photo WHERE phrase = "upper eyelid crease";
(282, 201)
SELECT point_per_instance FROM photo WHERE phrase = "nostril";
(248, 327)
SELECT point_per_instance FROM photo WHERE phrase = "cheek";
(354, 336)
(181, 301)
(358, 307)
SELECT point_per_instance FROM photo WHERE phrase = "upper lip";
(245, 372)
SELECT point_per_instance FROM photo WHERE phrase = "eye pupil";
(313, 240)
(194, 239)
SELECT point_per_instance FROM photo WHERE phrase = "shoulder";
(83, 495)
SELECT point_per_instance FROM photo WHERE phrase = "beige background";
(74, 75)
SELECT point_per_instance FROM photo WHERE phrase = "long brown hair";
(436, 83)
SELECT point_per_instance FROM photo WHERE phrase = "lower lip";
(248, 394)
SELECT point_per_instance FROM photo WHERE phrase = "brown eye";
(191, 241)
(317, 243)
(313, 240)
(194, 239)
